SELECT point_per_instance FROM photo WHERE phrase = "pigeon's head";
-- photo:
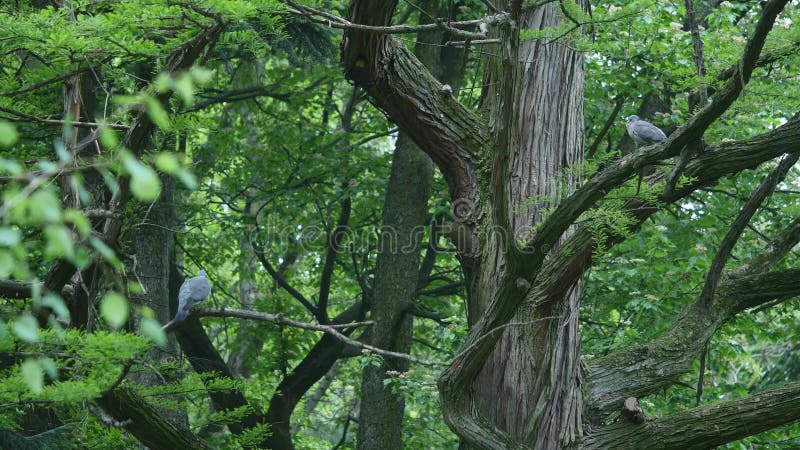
(202, 273)
(631, 119)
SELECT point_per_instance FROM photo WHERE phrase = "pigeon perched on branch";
(193, 291)
(643, 132)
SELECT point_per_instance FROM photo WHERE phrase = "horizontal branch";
(705, 427)
(20, 116)
(333, 21)
(16, 289)
(279, 319)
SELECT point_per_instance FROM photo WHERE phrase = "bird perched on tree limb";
(193, 291)
(643, 132)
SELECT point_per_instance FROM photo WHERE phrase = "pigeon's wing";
(648, 132)
(200, 289)
(184, 294)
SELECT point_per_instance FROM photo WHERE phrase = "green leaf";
(185, 89)
(7, 264)
(59, 242)
(33, 375)
(55, 303)
(106, 251)
(162, 83)
(26, 328)
(145, 184)
(115, 309)
(9, 236)
(82, 225)
(10, 166)
(157, 113)
(49, 366)
(108, 138)
(8, 134)
(201, 75)
(151, 329)
(61, 151)
(167, 162)
(187, 178)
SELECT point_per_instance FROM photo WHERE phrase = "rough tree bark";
(529, 385)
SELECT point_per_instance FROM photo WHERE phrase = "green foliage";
(267, 140)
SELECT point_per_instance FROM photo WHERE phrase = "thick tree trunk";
(529, 385)
(151, 242)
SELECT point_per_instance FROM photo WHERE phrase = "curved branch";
(403, 88)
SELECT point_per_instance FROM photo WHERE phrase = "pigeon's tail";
(180, 316)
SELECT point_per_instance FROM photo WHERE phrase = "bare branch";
(333, 21)
(259, 251)
(20, 116)
(332, 330)
(619, 101)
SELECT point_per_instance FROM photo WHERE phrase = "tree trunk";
(380, 421)
(529, 385)
(404, 212)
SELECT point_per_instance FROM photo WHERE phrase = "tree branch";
(279, 319)
(739, 224)
(616, 174)
(334, 247)
(643, 369)
(259, 251)
(333, 21)
(404, 89)
(705, 427)
(145, 422)
(778, 247)
(619, 102)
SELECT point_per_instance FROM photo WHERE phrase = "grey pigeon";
(193, 291)
(643, 132)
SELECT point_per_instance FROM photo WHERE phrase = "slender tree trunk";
(381, 418)
(404, 214)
